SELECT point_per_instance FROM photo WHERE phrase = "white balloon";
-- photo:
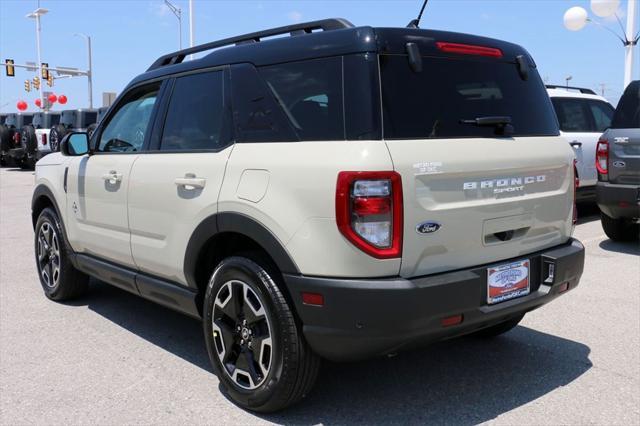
(604, 8)
(575, 18)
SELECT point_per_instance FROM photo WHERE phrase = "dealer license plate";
(508, 281)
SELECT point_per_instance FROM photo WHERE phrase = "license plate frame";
(508, 281)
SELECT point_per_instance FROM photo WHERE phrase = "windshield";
(434, 102)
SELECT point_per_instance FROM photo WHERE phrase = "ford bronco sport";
(618, 163)
(343, 192)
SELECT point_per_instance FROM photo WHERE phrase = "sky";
(128, 35)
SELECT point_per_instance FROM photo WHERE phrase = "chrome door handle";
(190, 183)
(112, 177)
(575, 144)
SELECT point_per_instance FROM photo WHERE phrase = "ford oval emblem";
(427, 227)
(619, 164)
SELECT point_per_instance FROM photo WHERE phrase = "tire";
(60, 280)
(286, 368)
(28, 139)
(498, 329)
(619, 229)
(6, 138)
(55, 136)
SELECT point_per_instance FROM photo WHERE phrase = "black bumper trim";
(609, 197)
(362, 318)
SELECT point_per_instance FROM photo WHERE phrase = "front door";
(175, 185)
(97, 184)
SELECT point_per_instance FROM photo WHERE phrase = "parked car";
(618, 164)
(72, 120)
(340, 192)
(10, 137)
(34, 139)
(582, 116)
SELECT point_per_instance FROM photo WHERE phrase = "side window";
(310, 93)
(196, 118)
(573, 114)
(602, 114)
(627, 115)
(127, 127)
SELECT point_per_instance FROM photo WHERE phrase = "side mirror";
(74, 144)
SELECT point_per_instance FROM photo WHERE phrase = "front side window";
(573, 114)
(129, 125)
(602, 114)
(196, 115)
(310, 93)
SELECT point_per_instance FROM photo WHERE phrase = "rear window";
(432, 103)
(627, 115)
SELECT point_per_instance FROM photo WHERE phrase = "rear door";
(624, 139)
(97, 184)
(471, 194)
(176, 184)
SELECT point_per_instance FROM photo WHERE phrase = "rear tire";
(60, 280)
(242, 299)
(498, 329)
(620, 229)
(55, 137)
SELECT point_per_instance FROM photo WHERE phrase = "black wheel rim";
(242, 334)
(48, 255)
(53, 140)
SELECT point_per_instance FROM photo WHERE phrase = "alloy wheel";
(242, 334)
(49, 255)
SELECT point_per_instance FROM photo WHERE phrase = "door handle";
(190, 182)
(112, 177)
(575, 144)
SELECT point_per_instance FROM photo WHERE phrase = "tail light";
(576, 184)
(16, 138)
(369, 211)
(469, 49)
(44, 139)
(602, 157)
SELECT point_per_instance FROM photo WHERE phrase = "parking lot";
(114, 358)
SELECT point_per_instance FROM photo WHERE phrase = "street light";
(576, 18)
(567, 79)
(178, 12)
(36, 14)
(90, 70)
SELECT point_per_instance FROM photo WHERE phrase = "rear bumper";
(17, 153)
(373, 317)
(618, 201)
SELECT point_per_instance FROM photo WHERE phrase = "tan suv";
(341, 192)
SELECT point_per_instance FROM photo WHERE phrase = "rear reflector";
(469, 49)
(563, 287)
(312, 299)
(453, 320)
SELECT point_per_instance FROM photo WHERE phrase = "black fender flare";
(241, 224)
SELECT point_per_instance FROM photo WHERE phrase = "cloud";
(295, 16)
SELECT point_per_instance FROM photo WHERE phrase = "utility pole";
(36, 14)
(90, 70)
(190, 26)
(602, 88)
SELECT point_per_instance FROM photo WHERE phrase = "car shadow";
(588, 212)
(632, 247)
(462, 381)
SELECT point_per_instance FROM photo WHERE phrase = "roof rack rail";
(295, 29)
(580, 89)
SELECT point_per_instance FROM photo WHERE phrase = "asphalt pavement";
(113, 358)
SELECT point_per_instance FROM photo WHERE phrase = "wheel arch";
(42, 198)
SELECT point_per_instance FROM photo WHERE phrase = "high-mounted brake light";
(369, 211)
(602, 157)
(469, 49)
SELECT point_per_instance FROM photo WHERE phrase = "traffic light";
(36, 82)
(50, 79)
(27, 86)
(11, 70)
(45, 71)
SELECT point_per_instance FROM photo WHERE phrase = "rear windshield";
(627, 115)
(432, 103)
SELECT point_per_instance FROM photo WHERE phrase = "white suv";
(340, 192)
(582, 116)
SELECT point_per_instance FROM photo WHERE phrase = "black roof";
(337, 37)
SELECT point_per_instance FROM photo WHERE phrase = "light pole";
(577, 17)
(567, 79)
(190, 26)
(90, 69)
(178, 12)
(36, 14)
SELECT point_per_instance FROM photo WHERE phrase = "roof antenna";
(415, 23)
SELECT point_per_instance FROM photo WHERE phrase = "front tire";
(619, 229)
(254, 343)
(60, 280)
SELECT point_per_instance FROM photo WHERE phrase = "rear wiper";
(501, 124)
